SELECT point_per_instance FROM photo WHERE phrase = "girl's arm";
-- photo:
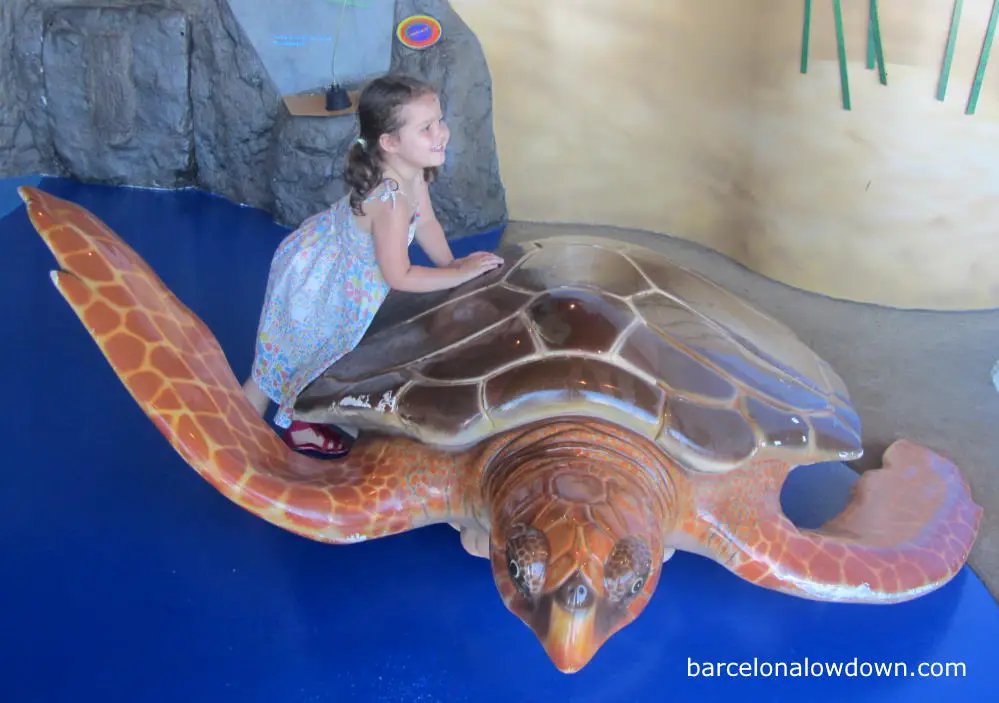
(390, 230)
(429, 233)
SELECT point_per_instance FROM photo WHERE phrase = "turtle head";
(576, 545)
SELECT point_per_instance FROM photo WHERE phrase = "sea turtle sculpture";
(590, 408)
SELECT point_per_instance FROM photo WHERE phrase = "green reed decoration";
(875, 50)
(844, 76)
(983, 60)
(806, 30)
(955, 21)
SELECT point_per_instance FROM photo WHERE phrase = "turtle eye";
(627, 569)
(527, 559)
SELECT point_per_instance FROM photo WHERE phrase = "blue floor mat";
(128, 577)
(9, 199)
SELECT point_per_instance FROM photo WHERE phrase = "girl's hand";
(478, 263)
(484, 255)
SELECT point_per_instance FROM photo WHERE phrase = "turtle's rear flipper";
(906, 531)
(176, 371)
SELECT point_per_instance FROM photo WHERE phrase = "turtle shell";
(585, 326)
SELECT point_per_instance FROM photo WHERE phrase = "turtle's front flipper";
(906, 531)
(176, 371)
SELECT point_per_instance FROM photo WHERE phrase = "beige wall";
(691, 118)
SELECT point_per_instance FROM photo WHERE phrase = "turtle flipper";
(906, 531)
(176, 371)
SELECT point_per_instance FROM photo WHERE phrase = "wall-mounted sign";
(418, 31)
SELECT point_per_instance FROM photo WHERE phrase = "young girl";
(329, 277)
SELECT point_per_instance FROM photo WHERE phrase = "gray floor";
(916, 374)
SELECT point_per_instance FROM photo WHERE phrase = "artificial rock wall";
(172, 94)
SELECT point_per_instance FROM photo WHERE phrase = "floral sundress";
(323, 290)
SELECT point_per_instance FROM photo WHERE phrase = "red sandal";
(333, 446)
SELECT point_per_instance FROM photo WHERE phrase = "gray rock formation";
(24, 144)
(469, 195)
(172, 94)
(136, 61)
(232, 105)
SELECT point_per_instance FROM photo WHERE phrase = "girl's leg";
(302, 435)
(258, 399)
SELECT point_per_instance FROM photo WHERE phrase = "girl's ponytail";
(363, 172)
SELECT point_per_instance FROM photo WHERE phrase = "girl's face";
(423, 137)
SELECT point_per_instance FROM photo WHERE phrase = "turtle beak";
(569, 633)
(570, 641)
